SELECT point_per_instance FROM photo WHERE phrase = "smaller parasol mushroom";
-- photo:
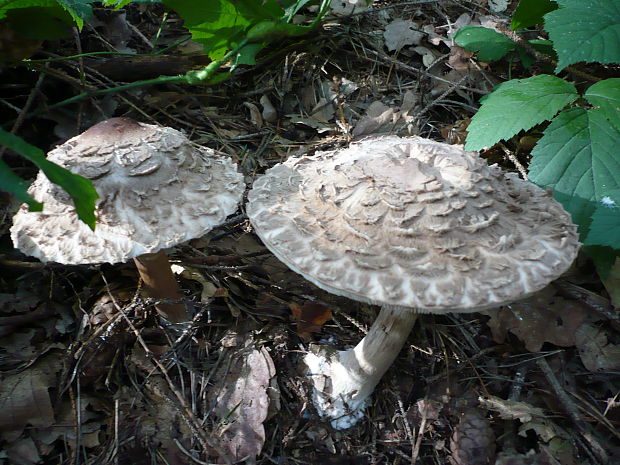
(156, 189)
(412, 225)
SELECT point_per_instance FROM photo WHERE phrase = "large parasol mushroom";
(412, 225)
(156, 189)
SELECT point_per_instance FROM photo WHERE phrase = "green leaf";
(216, 24)
(79, 10)
(69, 12)
(247, 55)
(530, 12)
(489, 44)
(518, 105)
(257, 10)
(41, 22)
(79, 188)
(577, 157)
(543, 46)
(606, 96)
(585, 30)
(605, 222)
(292, 9)
(220, 25)
(605, 261)
(16, 186)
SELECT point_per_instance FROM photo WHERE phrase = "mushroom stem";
(160, 283)
(344, 381)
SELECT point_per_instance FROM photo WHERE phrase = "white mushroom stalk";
(344, 380)
(412, 225)
(156, 189)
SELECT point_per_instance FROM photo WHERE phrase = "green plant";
(577, 155)
(79, 188)
(232, 32)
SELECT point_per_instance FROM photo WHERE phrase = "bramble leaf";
(606, 95)
(78, 187)
(577, 157)
(217, 24)
(518, 105)
(585, 30)
(530, 13)
(489, 44)
(605, 222)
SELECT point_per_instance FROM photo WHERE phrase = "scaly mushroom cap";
(412, 223)
(155, 189)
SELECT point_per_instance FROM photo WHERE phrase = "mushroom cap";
(410, 222)
(155, 190)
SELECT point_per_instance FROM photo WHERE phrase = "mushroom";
(412, 225)
(156, 189)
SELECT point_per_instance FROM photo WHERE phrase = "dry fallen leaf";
(543, 317)
(25, 398)
(401, 32)
(269, 112)
(243, 399)
(310, 317)
(597, 353)
(255, 115)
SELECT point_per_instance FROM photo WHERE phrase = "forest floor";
(90, 375)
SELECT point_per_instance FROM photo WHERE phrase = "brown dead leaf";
(255, 115)
(597, 353)
(23, 452)
(543, 317)
(310, 318)
(24, 397)
(455, 133)
(245, 397)
(401, 32)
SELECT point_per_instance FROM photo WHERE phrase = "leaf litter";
(101, 380)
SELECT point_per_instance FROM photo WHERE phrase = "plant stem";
(191, 77)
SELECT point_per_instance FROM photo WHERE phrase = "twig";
(188, 415)
(572, 411)
(511, 156)
(512, 35)
(24, 111)
(416, 448)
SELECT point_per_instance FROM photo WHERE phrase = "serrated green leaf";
(530, 12)
(577, 158)
(79, 10)
(585, 30)
(16, 186)
(606, 95)
(78, 187)
(605, 223)
(216, 24)
(487, 43)
(518, 105)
